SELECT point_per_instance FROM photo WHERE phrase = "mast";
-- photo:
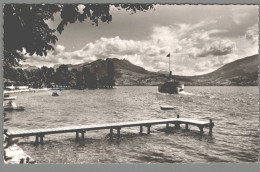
(170, 73)
(169, 64)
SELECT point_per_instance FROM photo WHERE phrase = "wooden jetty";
(40, 133)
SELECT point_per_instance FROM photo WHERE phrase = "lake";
(234, 111)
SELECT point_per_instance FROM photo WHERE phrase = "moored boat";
(10, 98)
(18, 108)
(10, 106)
(166, 107)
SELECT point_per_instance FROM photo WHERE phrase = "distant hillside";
(126, 73)
(240, 72)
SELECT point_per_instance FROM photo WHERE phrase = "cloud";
(214, 63)
(58, 49)
(195, 49)
(217, 48)
(252, 33)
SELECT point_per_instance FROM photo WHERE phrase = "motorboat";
(172, 86)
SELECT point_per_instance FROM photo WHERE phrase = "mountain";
(126, 73)
(240, 72)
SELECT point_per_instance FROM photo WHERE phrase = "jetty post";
(148, 128)
(177, 124)
(82, 135)
(167, 126)
(41, 139)
(211, 125)
(201, 129)
(186, 126)
(77, 136)
(37, 140)
(118, 132)
(141, 129)
(111, 133)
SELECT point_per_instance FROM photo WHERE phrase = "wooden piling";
(77, 136)
(177, 124)
(111, 132)
(37, 140)
(82, 135)
(201, 129)
(41, 139)
(141, 130)
(118, 132)
(211, 125)
(167, 126)
(186, 126)
(148, 129)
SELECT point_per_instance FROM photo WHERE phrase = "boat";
(10, 106)
(172, 86)
(166, 107)
(10, 98)
(12, 87)
(55, 93)
(18, 108)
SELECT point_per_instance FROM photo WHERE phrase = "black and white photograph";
(130, 83)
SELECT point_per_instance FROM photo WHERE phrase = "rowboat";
(167, 107)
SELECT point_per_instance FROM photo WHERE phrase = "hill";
(240, 72)
(126, 73)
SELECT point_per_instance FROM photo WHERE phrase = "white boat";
(12, 87)
(10, 98)
(166, 107)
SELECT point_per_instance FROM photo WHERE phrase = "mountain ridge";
(239, 72)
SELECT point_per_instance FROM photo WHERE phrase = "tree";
(25, 28)
(10, 73)
(89, 78)
(72, 78)
(36, 78)
(61, 75)
(44, 71)
(22, 77)
(79, 80)
(49, 76)
(110, 73)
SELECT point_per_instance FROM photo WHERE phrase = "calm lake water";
(233, 109)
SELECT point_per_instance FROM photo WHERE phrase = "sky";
(199, 38)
